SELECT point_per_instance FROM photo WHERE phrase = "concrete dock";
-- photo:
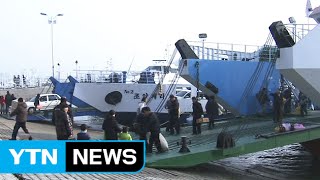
(45, 131)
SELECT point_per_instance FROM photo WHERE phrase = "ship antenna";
(130, 64)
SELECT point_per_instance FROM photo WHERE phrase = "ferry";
(122, 93)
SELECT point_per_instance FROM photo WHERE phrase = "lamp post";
(52, 21)
(203, 36)
(76, 69)
(294, 23)
(59, 71)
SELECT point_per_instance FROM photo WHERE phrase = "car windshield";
(181, 93)
(32, 99)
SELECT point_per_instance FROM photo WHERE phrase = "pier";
(45, 131)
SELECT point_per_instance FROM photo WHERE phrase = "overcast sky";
(95, 31)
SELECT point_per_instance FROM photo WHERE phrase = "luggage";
(202, 120)
(163, 143)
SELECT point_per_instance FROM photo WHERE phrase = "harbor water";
(288, 162)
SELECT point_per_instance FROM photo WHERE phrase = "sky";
(98, 33)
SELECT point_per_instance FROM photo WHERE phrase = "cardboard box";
(203, 120)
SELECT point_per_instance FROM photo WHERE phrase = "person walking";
(173, 108)
(287, 94)
(152, 126)
(8, 100)
(196, 113)
(277, 107)
(110, 126)
(263, 99)
(63, 123)
(37, 102)
(2, 104)
(303, 101)
(212, 109)
(167, 106)
(139, 126)
(21, 113)
(63, 103)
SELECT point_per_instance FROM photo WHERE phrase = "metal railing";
(227, 51)
(298, 31)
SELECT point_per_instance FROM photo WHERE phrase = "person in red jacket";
(2, 104)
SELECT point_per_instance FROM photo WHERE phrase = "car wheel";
(31, 110)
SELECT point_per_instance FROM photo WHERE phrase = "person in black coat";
(287, 94)
(83, 134)
(196, 113)
(8, 100)
(303, 101)
(263, 99)
(110, 126)
(173, 109)
(63, 123)
(152, 125)
(139, 126)
(36, 102)
(63, 103)
(277, 107)
(212, 109)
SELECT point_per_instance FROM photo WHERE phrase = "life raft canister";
(113, 98)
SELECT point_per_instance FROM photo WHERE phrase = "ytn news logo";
(72, 156)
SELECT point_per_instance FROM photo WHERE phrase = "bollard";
(184, 145)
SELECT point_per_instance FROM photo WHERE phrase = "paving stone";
(7, 176)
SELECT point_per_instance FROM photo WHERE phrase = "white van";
(184, 98)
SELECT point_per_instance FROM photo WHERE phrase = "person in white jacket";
(141, 105)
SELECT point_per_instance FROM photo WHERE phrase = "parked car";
(47, 102)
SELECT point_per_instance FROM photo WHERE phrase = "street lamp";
(59, 71)
(52, 21)
(294, 23)
(76, 69)
(203, 36)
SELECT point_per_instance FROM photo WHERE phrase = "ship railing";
(100, 76)
(226, 51)
(115, 76)
(298, 31)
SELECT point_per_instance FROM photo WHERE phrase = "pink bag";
(39, 107)
(298, 126)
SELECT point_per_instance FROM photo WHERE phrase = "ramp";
(258, 136)
(234, 83)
